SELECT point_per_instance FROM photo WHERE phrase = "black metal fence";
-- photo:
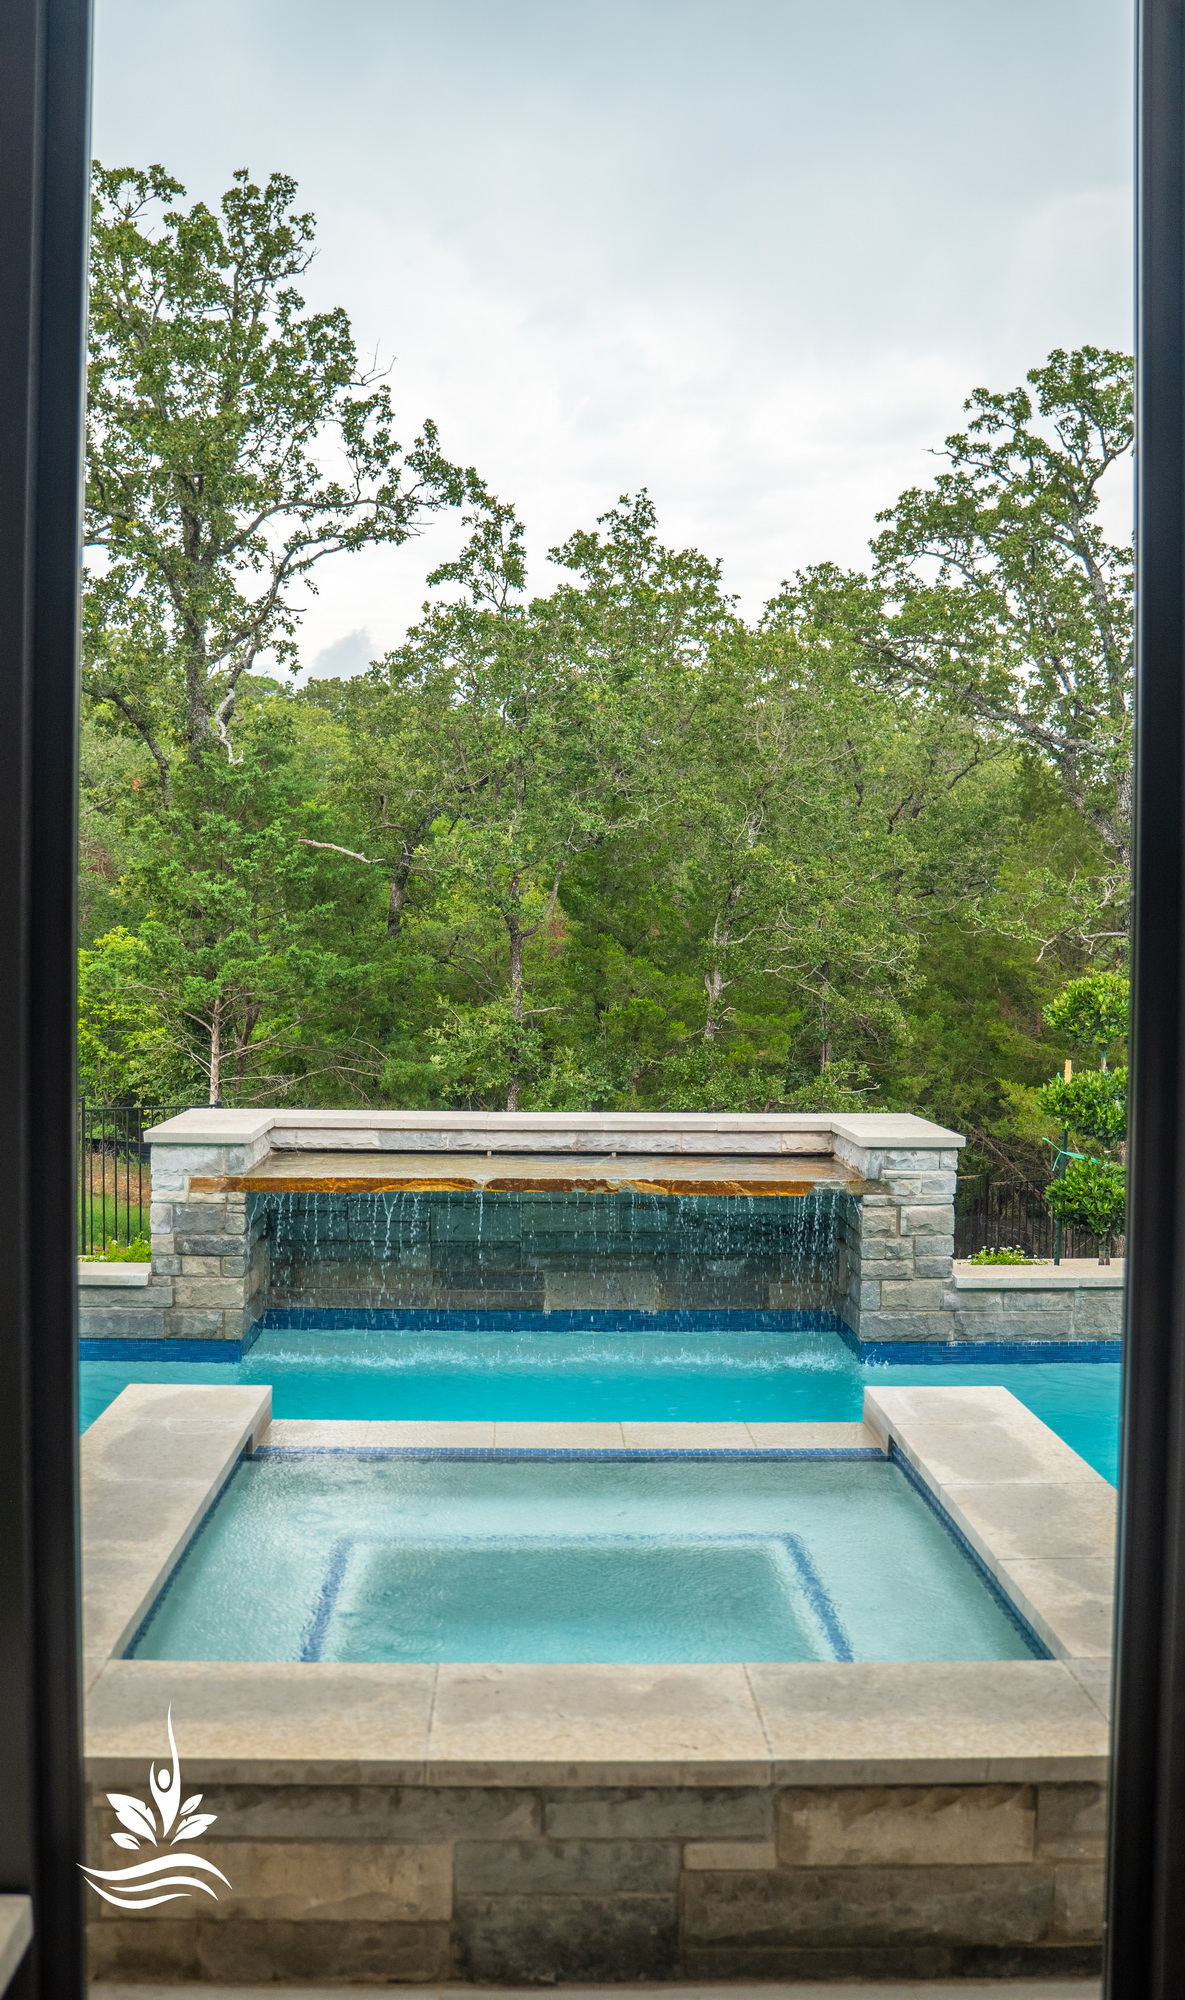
(1009, 1215)
(114, 1173)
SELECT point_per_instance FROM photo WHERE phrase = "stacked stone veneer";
(894, 1281)
(210, 1253)
(538, 1884)
(895, 1275)
(209, 1276)
(1034, 1311)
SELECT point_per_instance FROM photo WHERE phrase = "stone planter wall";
(1076, 1301)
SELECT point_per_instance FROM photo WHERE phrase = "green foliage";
(1092, 1012)
(1092, 1103)
(124, 1051)
(1001, 1256)
(610, 846)
(213, 396)
(1091, 1194)
(138, 1251)
(996, 591)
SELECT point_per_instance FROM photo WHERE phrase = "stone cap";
(534, 1130)
(1071, 1275)
(94, 1271)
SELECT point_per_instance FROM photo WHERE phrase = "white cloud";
(752, 256)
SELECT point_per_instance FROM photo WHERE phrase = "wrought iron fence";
(114, 1172)
(999, 1215)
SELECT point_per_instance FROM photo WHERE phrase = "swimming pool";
(357, 1556)
(741, 1370)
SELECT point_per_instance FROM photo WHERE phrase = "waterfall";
(567, 1250)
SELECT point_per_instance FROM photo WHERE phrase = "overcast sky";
(751, 255)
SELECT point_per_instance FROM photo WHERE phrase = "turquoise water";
(699, 1376)
(350, 1557)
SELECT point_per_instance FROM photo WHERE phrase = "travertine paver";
(691, 1132)
(359, 1433)
(519, 1724)
(928, 1722)
(261, 1722)
(687, 1437)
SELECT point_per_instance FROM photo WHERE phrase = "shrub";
(1092, 1194)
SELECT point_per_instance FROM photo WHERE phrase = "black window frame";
(44, 206)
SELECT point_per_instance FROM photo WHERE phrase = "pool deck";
(311, 1172)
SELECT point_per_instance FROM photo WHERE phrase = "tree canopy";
(610, 845)
(215, 401)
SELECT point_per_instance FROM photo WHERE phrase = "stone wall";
(209, 1276)
(900, 1243)
(537, 1885)
(1039, 1304)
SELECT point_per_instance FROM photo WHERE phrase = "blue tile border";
(813, 1587)
(560, 1454)
(933, 1353)
(160, 1350)
(417, 1319)
(1035, 1644)
(209, 1510)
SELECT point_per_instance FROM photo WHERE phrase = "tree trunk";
(216, 1055)
(516, 1002)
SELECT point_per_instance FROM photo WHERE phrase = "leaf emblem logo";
(160, 1821)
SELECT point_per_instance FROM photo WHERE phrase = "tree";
(1092, 1012)
(1092, 1104)
(1091, 1194)
(125, 1055)
(996, 592)
(241, 951)
(216, 403)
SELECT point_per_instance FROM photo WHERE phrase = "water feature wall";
(636, 1211)
(544, 1251)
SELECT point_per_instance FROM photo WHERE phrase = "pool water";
(353, 1556)
(707, 1376)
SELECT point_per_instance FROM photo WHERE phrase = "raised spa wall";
(526, 1824)
(891, 1178)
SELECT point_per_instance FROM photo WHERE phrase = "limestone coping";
(93, 1272)
(1071, 1275)
(1038, 1516)
(151, 1467)
(539, 1131)
(995, 1721)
